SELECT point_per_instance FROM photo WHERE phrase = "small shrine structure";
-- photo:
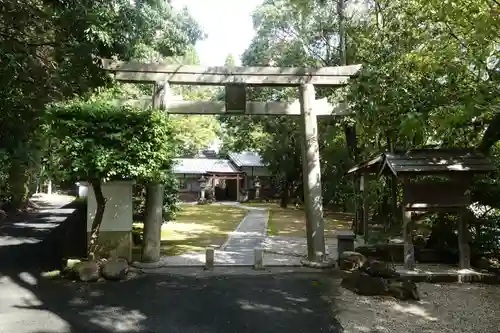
(433, 180)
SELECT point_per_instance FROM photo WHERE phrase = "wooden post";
(409, 258)
(463, 241)
(237, 187)
(154, 199)
(364, 208)
(312, 176)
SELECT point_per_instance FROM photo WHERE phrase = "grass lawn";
(197, 227)
(291, 221)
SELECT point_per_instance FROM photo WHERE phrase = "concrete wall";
(115, 237)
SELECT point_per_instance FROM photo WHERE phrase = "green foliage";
(94, 139)
(49, 51)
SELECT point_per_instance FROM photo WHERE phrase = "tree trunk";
(96, 224)
(19, 184)
(285, 194)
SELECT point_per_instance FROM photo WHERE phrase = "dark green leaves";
(98, 140)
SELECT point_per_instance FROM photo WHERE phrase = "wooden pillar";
(312, 176)
(463, 241)
(364, 206)
(409, 257)
(237, 187)
(153, 219)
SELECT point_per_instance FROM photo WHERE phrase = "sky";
(228, 25)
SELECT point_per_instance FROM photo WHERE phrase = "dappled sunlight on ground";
(291, 221)
(442, 308)
(197, 227)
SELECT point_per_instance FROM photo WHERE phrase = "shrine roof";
(426, 162)
(203, 165)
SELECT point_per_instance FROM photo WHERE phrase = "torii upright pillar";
(153, 220)
(311, 169)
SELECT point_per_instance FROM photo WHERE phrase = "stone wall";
(115, 237)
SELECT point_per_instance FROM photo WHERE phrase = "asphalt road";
(149, 303)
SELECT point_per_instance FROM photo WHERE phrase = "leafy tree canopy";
(95, 139)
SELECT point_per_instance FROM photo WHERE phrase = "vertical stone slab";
(312, 176)
(409, 258)
(115, 235)
(463, 242)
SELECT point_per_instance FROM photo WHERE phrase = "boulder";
(403, 289)
(87, 271)
(487, 264)
(364, 284)
(378, 268)
(115, 269)
(388, 252)
(349, 260)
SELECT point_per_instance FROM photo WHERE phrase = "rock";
(87, 271)
(378, 268)
(350, 260)
(71, 263)
(364, 284)
(115, 269)
(488, 264)
(386, 252)
(403, 290)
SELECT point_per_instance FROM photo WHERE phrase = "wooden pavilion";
(433, 180)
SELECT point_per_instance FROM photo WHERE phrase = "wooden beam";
(201, 75)
(219, 79)
(134, 66)
(322, 107)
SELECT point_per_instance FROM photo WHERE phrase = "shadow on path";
(148, 303)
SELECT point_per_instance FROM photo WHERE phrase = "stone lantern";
(203, 186)
(256, 185)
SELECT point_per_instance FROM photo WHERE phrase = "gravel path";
(444, 308)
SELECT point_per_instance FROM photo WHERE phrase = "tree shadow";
(188, 304)
(149, 303)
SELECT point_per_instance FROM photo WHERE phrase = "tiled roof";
(246, 159)
(427, 161)
(203, 165)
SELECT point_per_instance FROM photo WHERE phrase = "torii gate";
(235, 80)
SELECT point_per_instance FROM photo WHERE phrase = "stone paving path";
(250, 233)
(239, 249)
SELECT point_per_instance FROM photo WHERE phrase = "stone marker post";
(209, 257)
(258, 258)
